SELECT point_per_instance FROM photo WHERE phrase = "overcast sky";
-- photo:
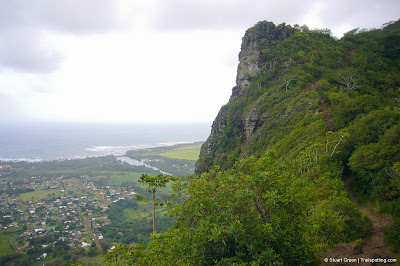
(144, 60)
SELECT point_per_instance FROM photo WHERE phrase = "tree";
(287, 82)
(342, 136)
(349, 80)
(92, 252)
(152, 184)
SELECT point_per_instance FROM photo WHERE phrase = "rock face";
(217, 128)
(254, 41)
(250, 122)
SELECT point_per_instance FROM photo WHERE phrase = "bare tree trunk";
(154, 212)
(288, 82)
(350, 81)
(334, 149)
(261, 210)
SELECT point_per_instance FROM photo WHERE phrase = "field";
(189, 152)
(5, 244)
(38, 195)
(144, 210)
(97, 260)
(177, 160)
(119, 178)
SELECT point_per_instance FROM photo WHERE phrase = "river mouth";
(135, 162)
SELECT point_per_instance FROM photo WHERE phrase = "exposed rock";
(217, 127)
(254, 41)
(206, 150)
(250, 122)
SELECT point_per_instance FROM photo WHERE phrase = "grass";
(141, 212)
(187, 152)
(122, 177)
(96, 260)
(5, 241)
(49, 261)
(38, 195)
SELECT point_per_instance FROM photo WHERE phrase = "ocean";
(42, 142)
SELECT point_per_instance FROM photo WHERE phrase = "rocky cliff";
(295, 85)
(255, 40)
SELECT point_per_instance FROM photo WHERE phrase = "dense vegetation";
(131, 221)
(327, 110)
(259, 211)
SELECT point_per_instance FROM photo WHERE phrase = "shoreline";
(101, 149)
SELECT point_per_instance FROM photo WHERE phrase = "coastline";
(98, 151)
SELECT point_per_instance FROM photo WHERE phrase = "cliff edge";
(255, 40)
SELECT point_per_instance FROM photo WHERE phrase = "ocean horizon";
(44, 142)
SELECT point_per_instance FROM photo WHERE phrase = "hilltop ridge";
(308, 112)
(286, 73)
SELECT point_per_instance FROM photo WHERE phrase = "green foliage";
(93, 251)
(377, 167)
(392, 235)
(152, 184)
(132, 220)
(260, 212)
(328, 108)
(5, 236)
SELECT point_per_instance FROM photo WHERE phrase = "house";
(5, 166)
(78, 234)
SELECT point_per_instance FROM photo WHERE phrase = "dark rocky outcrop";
(254, 41)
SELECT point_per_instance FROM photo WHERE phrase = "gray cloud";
(23, 24)
(72, 16)
(359, 13)
(227, 14)
(182, 14)
(23, 51)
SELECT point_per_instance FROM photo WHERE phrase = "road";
(15, 245)
(87, 225)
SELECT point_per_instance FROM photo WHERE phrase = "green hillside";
(308, 112)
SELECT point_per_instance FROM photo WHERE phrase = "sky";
(143, 61)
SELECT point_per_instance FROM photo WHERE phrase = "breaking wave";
(121, 150)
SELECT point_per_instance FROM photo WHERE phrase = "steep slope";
(228, 124)
(304, 94)
(307, 112)
(372, 246)
(287, 75)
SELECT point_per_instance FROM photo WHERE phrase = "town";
(64, 211)
(58, 214)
